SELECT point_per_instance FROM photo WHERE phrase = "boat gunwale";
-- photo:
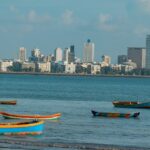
(20, 124)
(4, 114)
(8, 101)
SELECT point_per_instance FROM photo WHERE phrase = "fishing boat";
(36, 116)
(8, 102)
(115, 115)
(22, 128)
(131, 104)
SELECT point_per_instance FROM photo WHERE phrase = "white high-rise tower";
(22, 54)
(88, 52)
(58, 54)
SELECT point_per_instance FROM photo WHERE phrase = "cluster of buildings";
(65, 61)
(137, 57)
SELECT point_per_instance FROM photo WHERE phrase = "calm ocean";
(74, 97)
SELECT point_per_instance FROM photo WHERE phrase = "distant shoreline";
(84, 75)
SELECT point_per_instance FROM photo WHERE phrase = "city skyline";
(48, 24)
(22, 52)
(64, 61)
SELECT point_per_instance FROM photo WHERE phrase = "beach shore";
(37, 145)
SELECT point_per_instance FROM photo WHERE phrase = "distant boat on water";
(131, 104)
(8, 102)
(115, 115)
(36, 116)
(22, 128)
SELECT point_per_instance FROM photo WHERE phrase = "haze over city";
(47, 24)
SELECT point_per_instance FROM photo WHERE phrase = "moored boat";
(8, 102)
(22, 128)
(131, 104)
(115, 114)
(36, 116)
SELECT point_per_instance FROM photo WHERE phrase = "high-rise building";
(148, 52)
(72, 54)
(35, 52)
(35, 55)
(66, 55)
(137, 55)
(106, 59)
(69, 54)
(22, 54)
(122, 59)
(58, 54)
(88, 52)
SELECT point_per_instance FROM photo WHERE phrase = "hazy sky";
(113, 25)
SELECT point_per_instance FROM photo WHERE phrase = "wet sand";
(30, 145)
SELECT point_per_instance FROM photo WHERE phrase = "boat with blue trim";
(33, 127)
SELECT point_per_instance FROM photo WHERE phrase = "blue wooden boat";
(131, 104)
(115, 114)
(22, 128)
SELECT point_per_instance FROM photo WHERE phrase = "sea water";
(75, 97)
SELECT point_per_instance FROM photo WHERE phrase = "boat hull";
(129, 104)
(114, 115)
(8, 102)
(39, 117)
(32, 128)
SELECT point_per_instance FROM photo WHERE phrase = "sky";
(113, 25)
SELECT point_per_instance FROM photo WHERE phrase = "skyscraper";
(148, 52)
(35, 52)
(137, 55)
(122, 59)
(22, 54)
(72, 54)
(35, 55)
(58, 54)
(66, 55)
(69, 54)
(106, 59)
(88, 52)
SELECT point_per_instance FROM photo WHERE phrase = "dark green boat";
(131, 104)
